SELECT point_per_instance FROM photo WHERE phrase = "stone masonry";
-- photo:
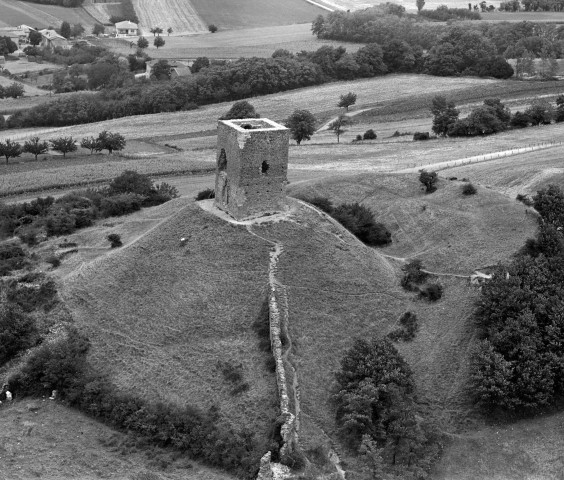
(252, 167)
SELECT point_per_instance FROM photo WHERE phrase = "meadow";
(15, 13)
(232, 44)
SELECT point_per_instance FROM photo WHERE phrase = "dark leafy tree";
(337, 126)
(110, 141)
(161, 70)
(64, 145)
(346, 100)
(549, 202)
(419, 4)
(14, 90)
(97, 29)
(445, 115)
(115, 240)
(7, 46)
(241, 109)
(495, 66)
(66, 29)
(142, 43)
(540, 112)
(559, 115)
(369, 135)
(301, 124)
(429, 180)
(375, 402)
(131, 182)
(36, 147)
(359, 220)
(77, 30)
(34, 37)
(10, 149)
(18, 332)
(158, 42)
(169, 31)
(92, 144)
(199, 63)
(370, 60)
(212, 28)
(282, 52)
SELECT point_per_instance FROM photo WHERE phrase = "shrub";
(323, 203)
(131, 182)
(369, 135)
(469, 189)
(413, 275)
(53, 260)
(41, 295)
(429, 179)
(212, 28)
(122, 204)
(12, 257)
(205, 194)
(17, 332)
(60, 222)
(359, 220)
(115, 240)
(358, 138)
(408, 328)
(432, 292)
(421, 136)
(525, 199)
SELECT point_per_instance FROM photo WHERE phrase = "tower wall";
(252, 167)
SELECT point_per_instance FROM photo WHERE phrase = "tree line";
(492, 117)
(62, 3)
(444, 49)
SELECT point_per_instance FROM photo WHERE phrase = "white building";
(126, 29)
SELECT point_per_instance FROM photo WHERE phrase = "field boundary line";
(324, 7)
(479, 158)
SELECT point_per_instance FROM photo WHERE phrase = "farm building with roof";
(126, 29)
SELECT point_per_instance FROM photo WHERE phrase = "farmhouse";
(51, 39)
(126, 29)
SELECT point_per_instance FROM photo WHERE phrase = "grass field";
(179, 312)
(180, 15)
(227, 15)
(44, 439)
(228, 44)
(15, 13)
(29, 90)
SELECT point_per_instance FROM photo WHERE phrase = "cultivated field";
(178, 14)
(232, 44)
(227, 15)
(15, 13)
(102, 11)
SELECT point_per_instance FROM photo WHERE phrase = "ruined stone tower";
(252, 165)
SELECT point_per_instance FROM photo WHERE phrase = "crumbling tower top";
(252, 167)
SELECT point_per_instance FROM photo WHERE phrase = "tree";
(338, 124)
(346, 100)
(14, 90)
(199, 63)
(156, 31)
(66, 29)
(158, 42)
(91, 143)
(444, 115)
(169, 30)
(370, 60)
(161, 70)
(64, 145)
(36, 147)
(142, 43)
(559, 117)
(541, 112)
(212, 28)
(10, 149)
(549, 202)
(495, 66)
(429, 179)
(17, 332)
(131, 181)
(241, 109)
(35, 37)
(77, 30)
(97, 29)
(7, 46)
(419, 4)
(301, 124)
(111, 141)
(520, 120)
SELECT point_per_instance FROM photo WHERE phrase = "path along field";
(14, 12)
(232, 44)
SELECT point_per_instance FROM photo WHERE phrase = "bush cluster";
(518, 365)
(18, 332)
(14, 90)
(62, 366)
(407, 329)
(377, 413)
(357, 219)
(12, 257)
(49, 217)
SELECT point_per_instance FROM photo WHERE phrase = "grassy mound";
(164, 316)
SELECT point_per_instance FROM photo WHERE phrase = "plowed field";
(178, 14)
